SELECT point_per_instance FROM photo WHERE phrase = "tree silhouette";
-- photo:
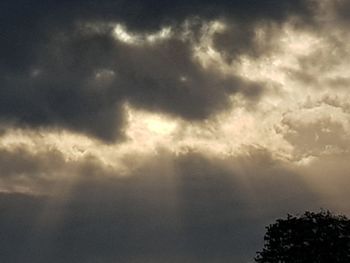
(311, 238)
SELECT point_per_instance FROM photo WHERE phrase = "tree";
(311, 238)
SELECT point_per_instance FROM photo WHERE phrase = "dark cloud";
(58, 88)
(242, 38)
(341, 10)
(82, 80)
(150, 13)
(186, 207)
(54, 73)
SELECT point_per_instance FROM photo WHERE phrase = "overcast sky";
(168, 131)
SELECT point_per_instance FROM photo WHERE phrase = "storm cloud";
(61, 67)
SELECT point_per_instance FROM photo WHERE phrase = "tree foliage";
(311, 238)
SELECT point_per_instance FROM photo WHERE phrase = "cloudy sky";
(168, 131)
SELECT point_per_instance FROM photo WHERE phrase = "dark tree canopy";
(311, 238)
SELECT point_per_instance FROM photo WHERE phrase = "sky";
(168, 131)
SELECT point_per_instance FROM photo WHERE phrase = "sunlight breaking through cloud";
(150, 132)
